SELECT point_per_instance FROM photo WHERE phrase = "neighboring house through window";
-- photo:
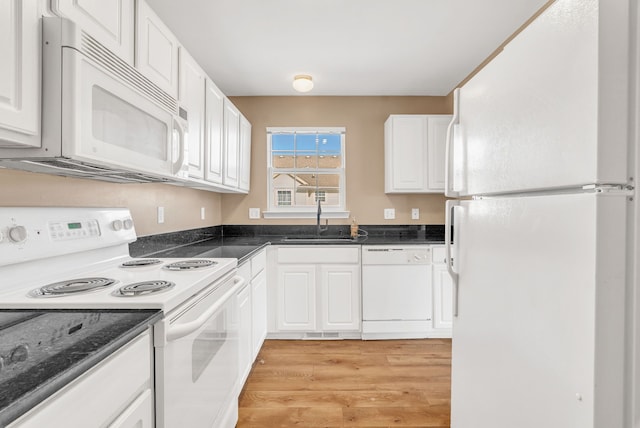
(306, 165)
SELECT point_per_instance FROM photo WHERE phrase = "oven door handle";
(181, 330)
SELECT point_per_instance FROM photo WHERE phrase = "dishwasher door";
(396, 292)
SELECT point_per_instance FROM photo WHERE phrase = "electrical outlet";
(389, 213)
(254, 213)
(415, 213)
(202, 213)
(160, 215)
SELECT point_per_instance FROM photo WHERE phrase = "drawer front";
(319, 254)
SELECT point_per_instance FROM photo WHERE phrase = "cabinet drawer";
(318, 254)
(439, 254)
(258, 263)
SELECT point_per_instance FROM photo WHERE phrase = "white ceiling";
(350, 47)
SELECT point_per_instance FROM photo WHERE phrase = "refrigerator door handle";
(448, 165)
(449, 221)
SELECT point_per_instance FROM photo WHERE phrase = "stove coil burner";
(190, 264)
(140, 263)
(71, 287)
(144, 288)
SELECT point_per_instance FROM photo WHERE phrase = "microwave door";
(105, 121)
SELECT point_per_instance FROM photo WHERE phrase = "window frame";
(275, 211)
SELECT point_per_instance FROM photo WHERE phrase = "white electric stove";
(78, 258)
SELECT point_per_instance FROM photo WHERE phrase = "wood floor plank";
(349, 383)
(425, 416)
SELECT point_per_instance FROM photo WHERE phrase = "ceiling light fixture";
(302, 83)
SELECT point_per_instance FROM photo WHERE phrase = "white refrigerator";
(542, 237)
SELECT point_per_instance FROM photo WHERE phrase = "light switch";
(160, 215)
(254, 213)
(389, 213)
(202, 213)
(415, 213)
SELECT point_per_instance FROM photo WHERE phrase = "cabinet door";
(19, 73)
(258, 312)
(405, 151)
(442, 298)
(245, 154)
(296, 298)
(231, 165)
(214, 114)
(109, 22)
(244, 333)
(192, 93)
(156, 50)
(436, 146)
(340, 297)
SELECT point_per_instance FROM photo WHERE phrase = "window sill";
(305, 214)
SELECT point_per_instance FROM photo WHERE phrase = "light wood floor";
(349, 383)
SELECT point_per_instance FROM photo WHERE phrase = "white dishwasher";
(396, 292)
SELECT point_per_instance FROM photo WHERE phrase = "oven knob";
(128, 223)
(117, 225)
(19, 353)
(18, 234)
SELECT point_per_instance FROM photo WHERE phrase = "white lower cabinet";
(252, 315)
(258, 312)
(244, 333)
(340, 297)
(442, 294)
(95, 399)
(297, 297)
(318, 292)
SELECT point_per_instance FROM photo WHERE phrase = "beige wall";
(363, 118)
(182, 206)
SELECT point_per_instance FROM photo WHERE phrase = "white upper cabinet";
(192, 99)
(214, 120)
(245, 154)
(414, 150)
(109, 22)
(231, 170)
(19, 73)
(156, 50)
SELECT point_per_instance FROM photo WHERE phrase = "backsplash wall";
(182, 205)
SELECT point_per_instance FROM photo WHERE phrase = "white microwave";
(101, 118)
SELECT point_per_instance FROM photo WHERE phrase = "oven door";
(197, 364)
(107, 122)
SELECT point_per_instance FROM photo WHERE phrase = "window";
(284, 198)
(306, 166)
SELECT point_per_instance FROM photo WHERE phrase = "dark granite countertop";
(57, 346)
(242, 242)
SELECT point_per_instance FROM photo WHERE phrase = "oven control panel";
(63, 230)
(33, 233)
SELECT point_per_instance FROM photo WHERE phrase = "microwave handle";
(181, 330)
(182, 138)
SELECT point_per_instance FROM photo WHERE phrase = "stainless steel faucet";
(321, 229)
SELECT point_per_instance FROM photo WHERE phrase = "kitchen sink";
(319, 240)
